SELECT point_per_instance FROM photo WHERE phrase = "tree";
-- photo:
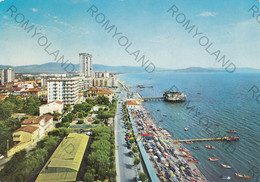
(135, 149)
(6, 110)
(102, 100)
(136, 161)
(142, 176)
(89, 176)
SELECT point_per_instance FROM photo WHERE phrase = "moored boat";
(246, 176)
(209, 147)
(196, 148)
(232, 131)
(225, 166)
(226, 177)
(189, 142)
(187, 156)
(213, 159)
(239, 175)
(186, 129)
(193, 160)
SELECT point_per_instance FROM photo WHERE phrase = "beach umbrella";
(166, 165)
(155, 157)
(182, 168)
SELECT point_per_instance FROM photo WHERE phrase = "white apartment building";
(85, 64)
(63, 89)
(7, 75)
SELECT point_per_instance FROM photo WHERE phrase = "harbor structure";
(168, 96)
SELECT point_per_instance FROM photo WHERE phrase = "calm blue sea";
(224, 101)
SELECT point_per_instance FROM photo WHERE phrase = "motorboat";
(209, 147)
(189, 142)
(225, 166)
(196, 148)
(226, 177)
(232, 131)
(246, 176)
(239, 175)
(213, 159)
(186, 129)
(193, 160)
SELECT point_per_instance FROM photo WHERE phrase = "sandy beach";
(171, 161)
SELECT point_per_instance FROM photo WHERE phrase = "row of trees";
(7, 127)
(101, 160)
(21, 167)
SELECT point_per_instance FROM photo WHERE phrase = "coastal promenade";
(125, 170)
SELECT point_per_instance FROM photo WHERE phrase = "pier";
(152, 98)
(209, 139)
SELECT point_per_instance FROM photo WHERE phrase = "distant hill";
(53, 67)
(197, 69)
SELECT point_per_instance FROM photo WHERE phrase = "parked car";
(1, 156)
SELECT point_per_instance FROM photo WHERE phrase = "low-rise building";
(106, 93)
(132, 104)
(26, 134)
(44, 123)
(55, 106)
(92, 92)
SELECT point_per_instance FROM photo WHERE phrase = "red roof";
(33, 90)
(95, 89)
(105, 92)
(18, 88)
(29, 129)
(46, 118)
(131, 102)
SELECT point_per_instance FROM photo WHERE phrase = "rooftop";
(45, 117)
(29, 129)
(131, 102)
(65, 162)
(105, 92)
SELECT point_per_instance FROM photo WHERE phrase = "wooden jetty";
(232, 138)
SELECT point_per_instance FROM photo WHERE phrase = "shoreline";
(164, 137)
(177, 146)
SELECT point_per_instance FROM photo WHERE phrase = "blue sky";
(146, 23)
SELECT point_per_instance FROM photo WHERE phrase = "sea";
(216, 102)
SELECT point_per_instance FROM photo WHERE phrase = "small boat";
(213, 159)
(189, 142)
(165, 115)
(187, 156)
(158, 109)
(239, 175)
(190, 108)
(226, 177)
(193, 160)
(198, 93)
(161, 120)
(196, 148)
(232, 131)
(209, 147)
(186, 129)
(225, 166)
(246, 176)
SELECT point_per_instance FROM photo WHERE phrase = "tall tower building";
(85, 64)
(8, 75)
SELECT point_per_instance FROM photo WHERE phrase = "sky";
(161, 38)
